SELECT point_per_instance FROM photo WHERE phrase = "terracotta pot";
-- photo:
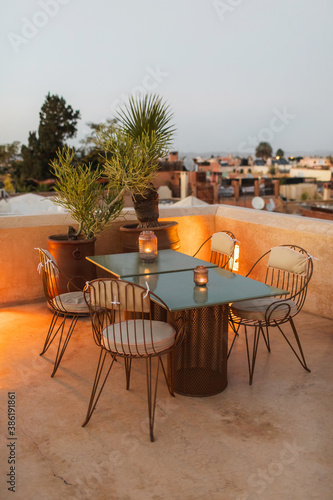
(167, 236)
(71, 259)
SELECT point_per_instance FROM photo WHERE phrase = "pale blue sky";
(234, 71)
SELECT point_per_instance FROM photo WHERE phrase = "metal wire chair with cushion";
(289, 267)
(123, 326)
(222, 249)
(70, 305)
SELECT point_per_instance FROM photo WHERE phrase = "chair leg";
(254, 351)
(151, 395)
(236, 334)
(62, 348)
(94, 395)
(49, 338)
(266, 337)
(128, 365)
(302, 359)
(169, 384)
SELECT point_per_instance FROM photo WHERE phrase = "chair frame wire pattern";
(62, 311)
(122, 321)
(279, 311)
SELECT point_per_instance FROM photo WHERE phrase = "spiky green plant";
(92, 204)
(148, 116)
(132, 151)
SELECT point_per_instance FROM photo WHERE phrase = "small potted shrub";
(92, 204)
(133, 148)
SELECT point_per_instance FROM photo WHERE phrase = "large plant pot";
(71, 259)
(167, 236)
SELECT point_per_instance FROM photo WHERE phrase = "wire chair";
(70, 305)
(289, 267)
(123, 326)
(222, 249)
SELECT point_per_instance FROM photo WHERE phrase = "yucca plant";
(93, 205)
(132, 152)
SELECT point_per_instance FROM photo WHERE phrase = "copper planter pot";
(167, 236)
(71, 259)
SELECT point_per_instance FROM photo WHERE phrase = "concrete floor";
(270, 441)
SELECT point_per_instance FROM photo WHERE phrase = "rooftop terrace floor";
(270, 441)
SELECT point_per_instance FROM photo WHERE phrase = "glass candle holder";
(200, 276)
(147, 246)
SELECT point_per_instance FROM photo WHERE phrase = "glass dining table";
(198, 365)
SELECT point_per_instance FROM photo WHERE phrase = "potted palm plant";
(132, 151)
(92, 204)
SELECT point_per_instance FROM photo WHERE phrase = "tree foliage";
(264, 150)
(57, 123)
(9, 156)
(280, 153)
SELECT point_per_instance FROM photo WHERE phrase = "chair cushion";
(287, 259)
(255, 309)
(71, 302)
(222, 243)
(120, 337)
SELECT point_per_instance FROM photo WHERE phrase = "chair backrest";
(49, 271)
(222, 249)
(290, 267)
(121, 316)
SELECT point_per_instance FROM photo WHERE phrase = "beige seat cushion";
(120, 337)
(71, 302)
(222, 243)
(255, 309)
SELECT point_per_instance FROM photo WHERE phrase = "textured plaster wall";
(257, 232)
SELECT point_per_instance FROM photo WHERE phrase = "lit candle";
(147, 246)
(200, 276)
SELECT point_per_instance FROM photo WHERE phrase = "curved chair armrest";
(278, 304)
(71, 283)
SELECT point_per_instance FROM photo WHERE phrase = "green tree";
(92, 151)
(280, 153)
(264, 150)
(57, 124)
(9, 156)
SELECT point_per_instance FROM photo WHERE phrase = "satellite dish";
(271, 205)
(189, 163)
(258, 203)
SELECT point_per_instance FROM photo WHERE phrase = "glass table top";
(124, 265)
(179, 292)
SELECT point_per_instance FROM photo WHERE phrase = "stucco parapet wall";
(276, 220)
(16, 221)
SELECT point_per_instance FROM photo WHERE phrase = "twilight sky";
(235, 72)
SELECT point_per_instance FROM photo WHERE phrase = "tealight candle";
(200, 276)
(147, 246)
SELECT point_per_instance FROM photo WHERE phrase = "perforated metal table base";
(198, 365)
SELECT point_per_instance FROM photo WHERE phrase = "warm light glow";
(147, 246)
(235, 266)
(200, 276)
(277, 157)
